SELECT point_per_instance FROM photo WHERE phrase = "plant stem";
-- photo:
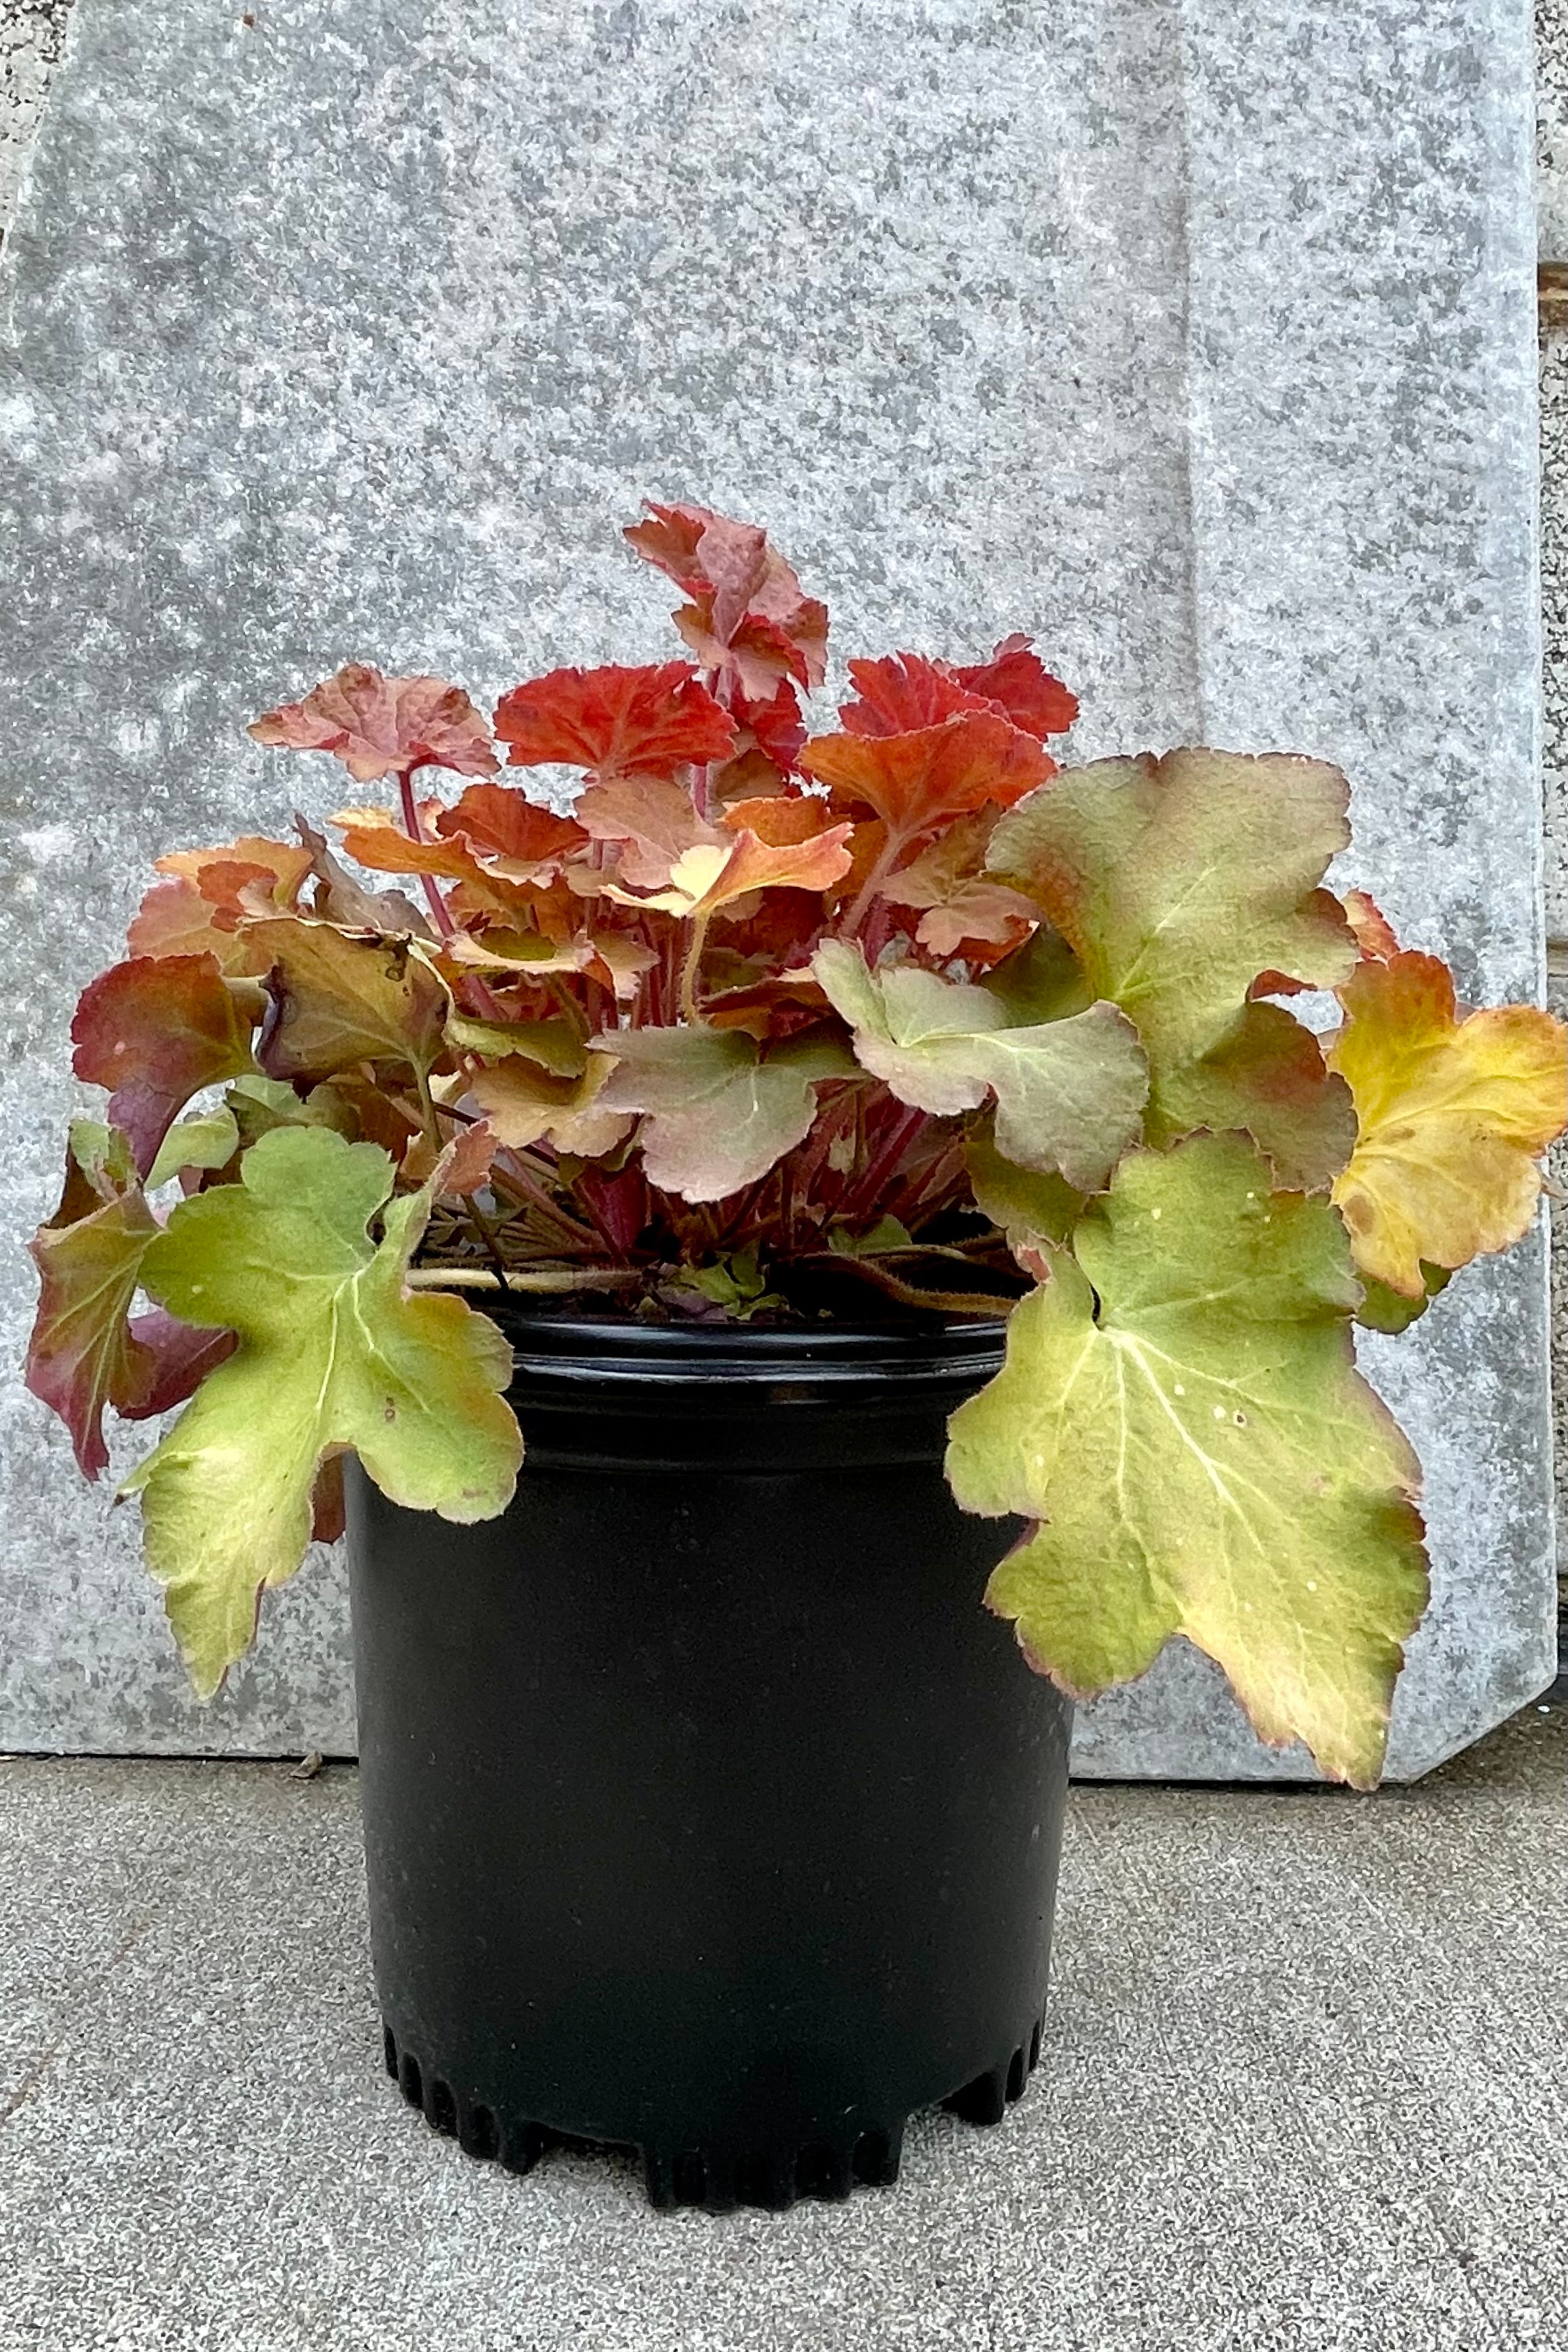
(689, 1012)
(863, 1199)
(439, 909)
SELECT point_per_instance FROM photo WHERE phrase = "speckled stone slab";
(1196, 339)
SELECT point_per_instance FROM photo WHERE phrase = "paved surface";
(1302, 2088)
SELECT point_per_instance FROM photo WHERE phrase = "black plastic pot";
(707, 1810)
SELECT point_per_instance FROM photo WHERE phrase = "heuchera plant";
(888, 1019)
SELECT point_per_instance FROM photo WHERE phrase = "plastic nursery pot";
(707, 1810)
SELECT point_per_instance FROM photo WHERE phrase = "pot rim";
(571, 1350)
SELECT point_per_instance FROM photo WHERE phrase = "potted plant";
(778, 1106)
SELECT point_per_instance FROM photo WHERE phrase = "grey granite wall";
(1551, 185)
(1196, 335)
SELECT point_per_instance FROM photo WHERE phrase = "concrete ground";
(1302, 2087)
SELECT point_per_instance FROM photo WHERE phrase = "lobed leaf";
(1069, 1094)
(155, 1031)
(383, 726)
(332, 1355)
(525, 1103)
(1451, 1117)
(337, 1001)
(1267, 1076)
(82, 1355)
(720, 1110)
(715, 874)
(502, 823)
(1179, 880)
(653, 721)
(922, 780)
(1180, 1416)
(749, 621)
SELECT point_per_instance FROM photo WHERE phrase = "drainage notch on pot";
(707, 1811)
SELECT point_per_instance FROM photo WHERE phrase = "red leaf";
(748, 618)
(919, 781)
(904, 691)
(82, 1355)
(383, 726)
(1017, 682)
(775, 726)
(328, 1515)
(618, 722)
(155, 1031)
(498, 821)
(669, 542)
(180, 1358)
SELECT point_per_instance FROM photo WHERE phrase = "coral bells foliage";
(886, 1019)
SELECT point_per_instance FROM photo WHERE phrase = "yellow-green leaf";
(1069, 1094)
(1180, 881)
(1268, 1076)
(1180, 1414)
(338, 1000)
(1452, 1115)
(333, 1355)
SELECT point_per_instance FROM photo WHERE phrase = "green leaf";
(719, 1112)
(1180, 881)
(1180, 1414)
(209, 1140)
(556, 1045)
(1041, 980)
(1382, 1309)
(1070, 1094)
(887, 1234)
(1029, 1206)
(261, 1104)
(1267, 1075)
(333, 1354)
(736, 1283)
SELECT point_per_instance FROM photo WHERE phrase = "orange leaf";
(383, 726)
(374, 838)
(1017, 681)
(919, 781)
(1451, 1114)
(654, 821)
(790, 817)
(500, 822)
(904, 691)
(618, 722)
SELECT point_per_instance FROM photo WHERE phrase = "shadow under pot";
(707, 1810)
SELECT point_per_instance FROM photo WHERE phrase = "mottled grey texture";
(32, 34)
(1300, 2090)
(1197, 338)
(1551, 127)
